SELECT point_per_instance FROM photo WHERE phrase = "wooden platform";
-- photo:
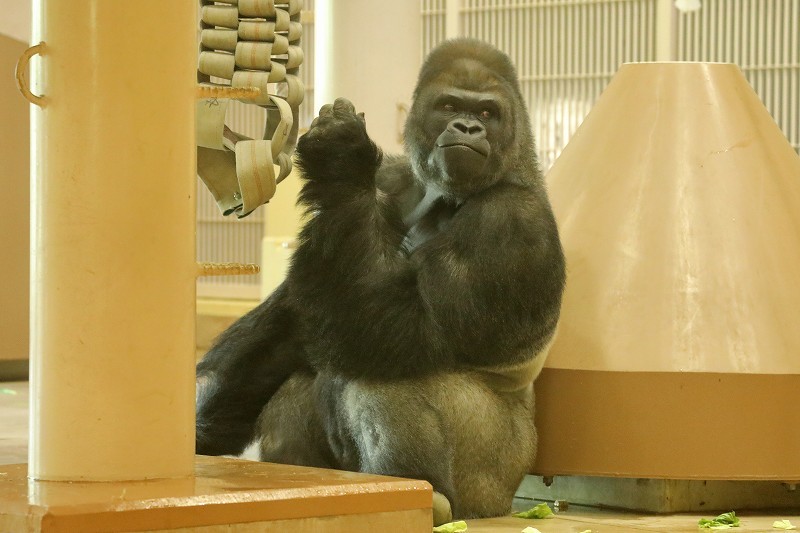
(249, 495)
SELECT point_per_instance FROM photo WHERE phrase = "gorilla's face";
(463, 123)
(458, 129)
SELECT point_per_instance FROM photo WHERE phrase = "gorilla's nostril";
(467, 127)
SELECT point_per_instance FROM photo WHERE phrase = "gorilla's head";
(468, 127)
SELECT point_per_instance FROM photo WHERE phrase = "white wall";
(369, 53)
(15, 19)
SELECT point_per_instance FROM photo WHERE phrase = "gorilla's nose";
(467, 127)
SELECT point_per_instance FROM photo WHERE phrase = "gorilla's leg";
(397, 431)
(241, 372)
(473, 444)
(326, 421)
(305, 423)
(290, 428)
(495, 442)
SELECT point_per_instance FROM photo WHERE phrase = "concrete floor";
(13, 422)
(14, 443)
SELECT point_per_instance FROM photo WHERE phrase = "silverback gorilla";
(419, 305)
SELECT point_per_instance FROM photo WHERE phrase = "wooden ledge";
(668, 425)
(222, 492)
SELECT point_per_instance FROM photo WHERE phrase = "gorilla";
(419, 305)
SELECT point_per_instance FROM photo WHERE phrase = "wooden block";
(260, 497)
(668, 425)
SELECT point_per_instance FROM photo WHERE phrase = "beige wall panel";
(14, 222)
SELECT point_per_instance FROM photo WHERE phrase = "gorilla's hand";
(337, 147)
(338, 122)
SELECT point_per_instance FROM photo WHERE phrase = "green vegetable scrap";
(540, 511)
(451, 527)
(10, 392)
(723, 521)
(530, 529)
(783, 524)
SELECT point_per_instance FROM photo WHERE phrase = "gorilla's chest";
(429, 217)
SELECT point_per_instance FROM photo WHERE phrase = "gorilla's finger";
(343, 104)
(327, 109)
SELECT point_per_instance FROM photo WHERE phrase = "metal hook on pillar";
(21, 73)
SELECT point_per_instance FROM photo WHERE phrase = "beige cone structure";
(678, 354)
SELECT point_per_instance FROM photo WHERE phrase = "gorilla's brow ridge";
(463, 51)
(470, 74)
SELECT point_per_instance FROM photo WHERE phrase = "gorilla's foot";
(442, 513)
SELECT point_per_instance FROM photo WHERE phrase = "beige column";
(112, 244)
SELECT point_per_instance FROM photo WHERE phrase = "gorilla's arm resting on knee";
(482, 292)
(236, 378)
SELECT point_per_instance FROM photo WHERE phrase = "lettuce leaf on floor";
(451, 527)
(539, 511)
(723, 521)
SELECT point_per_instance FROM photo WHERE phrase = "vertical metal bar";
(451, 28)
(736, 31)
(754, 48)
(771, 35)
(526, 42)
(511, 31)
(710, 44)
(790, 94)
(486, 20)
(794, 86)
(636, 29)
(604, 38)
(627, 50)
(493, 35)
(664, 30)
(727, 32)
(681, 34)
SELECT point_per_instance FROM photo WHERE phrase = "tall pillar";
(112, 240)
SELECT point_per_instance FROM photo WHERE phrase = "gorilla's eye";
(486, 114)
(448, 107)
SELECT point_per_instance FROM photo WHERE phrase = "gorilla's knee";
(398, 431)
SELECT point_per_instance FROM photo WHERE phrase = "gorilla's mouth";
(482, 150)
(461, 162)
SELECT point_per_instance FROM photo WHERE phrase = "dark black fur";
(424, 269)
